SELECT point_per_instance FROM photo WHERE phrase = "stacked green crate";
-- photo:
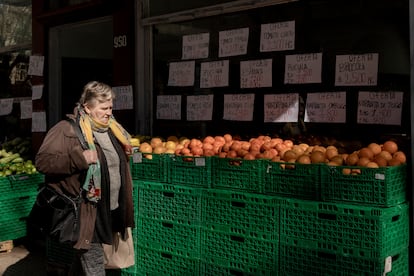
(237, 174)
(191, 171)
(239, 233)
(383, 187)
(292, 179)
(17, 196)
(168, 229)
(353, 239)
(150, 167)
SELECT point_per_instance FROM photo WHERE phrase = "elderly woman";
(99, 171)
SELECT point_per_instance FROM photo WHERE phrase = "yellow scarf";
(88, 124)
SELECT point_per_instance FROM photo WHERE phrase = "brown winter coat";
(60, 158)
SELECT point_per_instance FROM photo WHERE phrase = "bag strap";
(78, 132)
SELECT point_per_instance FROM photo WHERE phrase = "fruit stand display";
(19, 182)
(244, 204)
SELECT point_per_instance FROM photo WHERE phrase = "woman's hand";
(91, 156)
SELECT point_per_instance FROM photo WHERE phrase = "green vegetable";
(9, 158)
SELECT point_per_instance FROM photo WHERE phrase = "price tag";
(380, 176)
(137, 157)
(200, 161)
(387, 265)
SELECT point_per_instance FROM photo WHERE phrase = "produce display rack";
(259, 229)
(217, 229)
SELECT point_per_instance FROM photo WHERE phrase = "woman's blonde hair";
(96, 92)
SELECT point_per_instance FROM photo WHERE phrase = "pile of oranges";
(373, 155)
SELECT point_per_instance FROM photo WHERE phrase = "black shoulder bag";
(55, 214)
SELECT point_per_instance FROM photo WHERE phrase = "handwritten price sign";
(169, 107)
(327, 107)
(238, 107)
(279, 108)
(380, 107)
(305, 68)
(200, 108)
(356, 70)
(256, 73)
(214, 74)
(277, 36)
(196, 46)
(181, 73)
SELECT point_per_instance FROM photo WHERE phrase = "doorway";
(79, 52)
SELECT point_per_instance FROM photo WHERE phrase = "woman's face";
(100, 112)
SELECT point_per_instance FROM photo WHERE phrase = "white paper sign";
(196, 46)
(238, 107)
(233, 42)
(256, 73)
(356, 70)
(326, 107)
(304, 68)
(281, 108)
(37, 92)
(277, 36)
(214, 74)
(181, 73)
(26, 108)
(383, 108)
(36, 64)
(6, 106)
(123, 97)
(39, 121)
(169, 107)
(200, 108)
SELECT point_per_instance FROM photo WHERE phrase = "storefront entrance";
(79, 52)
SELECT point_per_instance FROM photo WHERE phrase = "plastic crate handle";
(325, 255)
(327, 216)
(168, 194)
(238, 204)
(237, 239)
(235, 272)
(166, 255)
(168, 225)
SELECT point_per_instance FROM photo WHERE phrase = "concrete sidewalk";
(24, 259)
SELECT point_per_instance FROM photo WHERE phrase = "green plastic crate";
(238, 253)
(193, 171)
(177, 239)
(135, 197)
(26, 183)
(292, 179)
(156, 262)
(236, 269)
(385, 186)
(383, 231)
(152, 167)
(5, 186)
(312, 258)
(237, 174)
(13, 228)
(16, 206)
(240, 212)
(169, 203)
